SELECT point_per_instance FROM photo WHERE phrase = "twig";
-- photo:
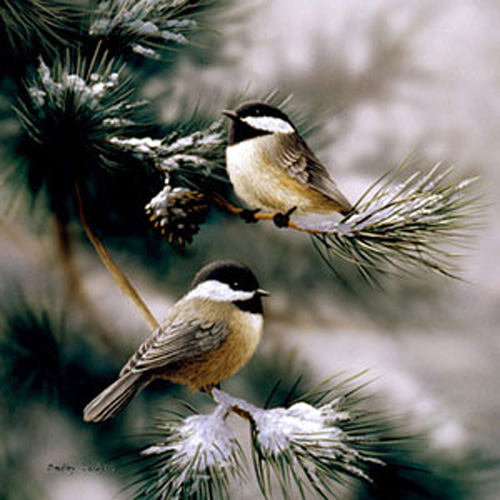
(76, 290)
(239, 406)
(233, 209)
(118, 275)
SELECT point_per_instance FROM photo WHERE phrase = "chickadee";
(208, 335)
(272, 168)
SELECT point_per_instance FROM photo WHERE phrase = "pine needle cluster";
(68, 114)
(144, 27)
(306, 448)
(401, 227)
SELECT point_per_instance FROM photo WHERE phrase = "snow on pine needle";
(312, 446)
(53, 90)
(68, 113)
(306, 446)
(400, 227)
(196, 458)
(146, 27)
(193, 167)
(191, 160)
(78, 100)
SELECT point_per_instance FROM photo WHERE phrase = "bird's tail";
(114, 398)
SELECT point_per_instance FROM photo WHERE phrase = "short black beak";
(262, 293)
(230, 114)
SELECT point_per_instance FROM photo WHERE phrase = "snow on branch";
(148, 27)
(403, 226)
(196, 458)
(305, 443)
(190, 160)
(193, 169)
(312, 446)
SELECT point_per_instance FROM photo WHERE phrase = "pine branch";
(68, 114)
(312, 446)
(401, 228)
(195, 160)
(147, 28)
(193, 170)
(394, 228)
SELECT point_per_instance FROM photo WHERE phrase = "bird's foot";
(208, 389)
(249, 215)
(283, 220)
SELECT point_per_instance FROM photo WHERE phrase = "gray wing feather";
(179, 341)
(114, 398)
(295, 156)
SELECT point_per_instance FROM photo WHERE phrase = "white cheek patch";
(269, 124)
(220, 292)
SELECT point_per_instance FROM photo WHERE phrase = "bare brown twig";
(233, 209)
(124, 284)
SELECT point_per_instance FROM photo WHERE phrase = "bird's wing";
(297, 159)
(178, 341)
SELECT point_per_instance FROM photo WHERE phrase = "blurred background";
(385, 79)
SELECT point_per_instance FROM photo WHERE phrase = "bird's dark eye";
(236, 284)
(258, 111)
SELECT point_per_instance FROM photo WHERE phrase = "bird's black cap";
(240, 131)
(238, 277)
(233, 273)
(259, 108)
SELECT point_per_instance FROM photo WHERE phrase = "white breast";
(254, 324)
(256, 181)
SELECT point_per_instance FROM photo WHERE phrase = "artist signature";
(70, 469)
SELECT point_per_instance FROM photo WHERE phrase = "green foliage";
(151, 29)
(144, 27)
(68, 115)
(33, 27)
(44, 359)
